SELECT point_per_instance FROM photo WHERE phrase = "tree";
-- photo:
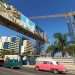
(50, 48)
(4, 52)
(61, 41)
(71, 49)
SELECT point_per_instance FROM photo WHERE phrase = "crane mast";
(71, 27)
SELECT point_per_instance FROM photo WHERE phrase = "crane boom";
(70, 21)
(53, 16)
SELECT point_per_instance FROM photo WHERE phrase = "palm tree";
(61, 41)
(71, 49)
(50, 48)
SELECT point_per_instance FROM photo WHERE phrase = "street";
(25, 71)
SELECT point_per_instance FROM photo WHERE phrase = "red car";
(50, 66)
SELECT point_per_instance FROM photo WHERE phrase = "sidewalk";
(29, 66)
(70, 67)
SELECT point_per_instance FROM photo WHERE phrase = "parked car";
(50, 65)
(12, 61)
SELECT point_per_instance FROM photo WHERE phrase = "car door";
(45, 65)
(51, 66)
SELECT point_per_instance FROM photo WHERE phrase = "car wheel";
(62, 72)
(55, 71)
(37, 68)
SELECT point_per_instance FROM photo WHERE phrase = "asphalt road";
(24, 71)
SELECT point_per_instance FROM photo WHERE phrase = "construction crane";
(54, 15)
(70, 17)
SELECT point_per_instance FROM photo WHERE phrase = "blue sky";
(44, 7)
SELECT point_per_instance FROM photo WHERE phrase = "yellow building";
(27, 47)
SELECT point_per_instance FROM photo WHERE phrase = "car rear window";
(45, 62)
